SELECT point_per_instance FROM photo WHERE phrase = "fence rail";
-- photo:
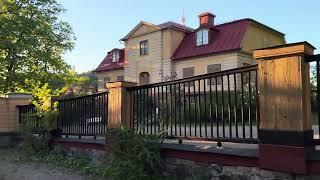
(219, 106)
(84, 116)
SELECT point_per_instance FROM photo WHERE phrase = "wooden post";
(285, 129)
(120, 105)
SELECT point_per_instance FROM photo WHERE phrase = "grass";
(51, 162)
(77, 164)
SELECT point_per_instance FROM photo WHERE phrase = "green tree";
(83, 80)
(32, 41)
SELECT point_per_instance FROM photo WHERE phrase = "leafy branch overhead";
(33, 40)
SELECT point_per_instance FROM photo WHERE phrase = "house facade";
(169, 51)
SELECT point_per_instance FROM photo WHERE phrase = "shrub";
(45, 115)
(134, 156)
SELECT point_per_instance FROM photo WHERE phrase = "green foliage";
(46, 114)
(83, 80)
(134, 156)
(33, 40)
(84, 84)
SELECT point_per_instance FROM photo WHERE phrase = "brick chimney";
(206, 19)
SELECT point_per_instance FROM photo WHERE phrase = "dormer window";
(202, 37)
(115, 56)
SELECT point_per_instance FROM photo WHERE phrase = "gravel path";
(11, 170)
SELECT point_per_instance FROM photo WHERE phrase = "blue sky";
(100, 24)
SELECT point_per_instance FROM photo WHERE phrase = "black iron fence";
(29, 118)
(84, 116)
(220, 106)
(314, 61)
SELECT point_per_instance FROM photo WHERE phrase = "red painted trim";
(210, 158)
(81, 145)
(313, 167)
(283, 158)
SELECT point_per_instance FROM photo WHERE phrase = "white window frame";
(144, 47)
(115, 56)
(202, 37)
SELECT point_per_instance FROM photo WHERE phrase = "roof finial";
(182, 18)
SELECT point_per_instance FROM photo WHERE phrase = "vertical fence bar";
(107, 114)
(211, 110)
(168, 110)
(171, 109)
(146, 113)
(163, 109)
(205, 107)
(242, 106)
(179, 108)
(195, 108)
(184, 109)
(318, 92)
(158, 109)
(249, 110)
(217, 107)
(199, 106)
(142, 124)
(151, 110)
(257, 104)
(229, 107)
(175, 108)
(138, 92)
(222, 108)
(235, 104)
(100, 114)
(189, 107)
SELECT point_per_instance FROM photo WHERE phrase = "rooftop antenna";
(182, 18)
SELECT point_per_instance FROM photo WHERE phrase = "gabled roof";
(154, 27)
(177, 26)
(137, 27)
(108, 65)
(223, 37)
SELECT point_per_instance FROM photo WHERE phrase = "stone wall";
(95, 151)
(185, 169)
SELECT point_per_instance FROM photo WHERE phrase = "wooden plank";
(284, 94)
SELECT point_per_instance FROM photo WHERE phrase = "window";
(144, 78)
(202, 37)
(188, 72)
(115, 56)
(144, 47)
(120, 78)
(106, 80)
(212, 68)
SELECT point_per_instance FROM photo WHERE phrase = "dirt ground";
(11, 170)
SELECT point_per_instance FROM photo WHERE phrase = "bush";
(134, 156)
(43, 121)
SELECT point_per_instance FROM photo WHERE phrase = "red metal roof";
(107, 64)
(223, 37)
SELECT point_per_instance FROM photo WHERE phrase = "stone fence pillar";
(285, 129)
(120, 105)
(9, 115)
